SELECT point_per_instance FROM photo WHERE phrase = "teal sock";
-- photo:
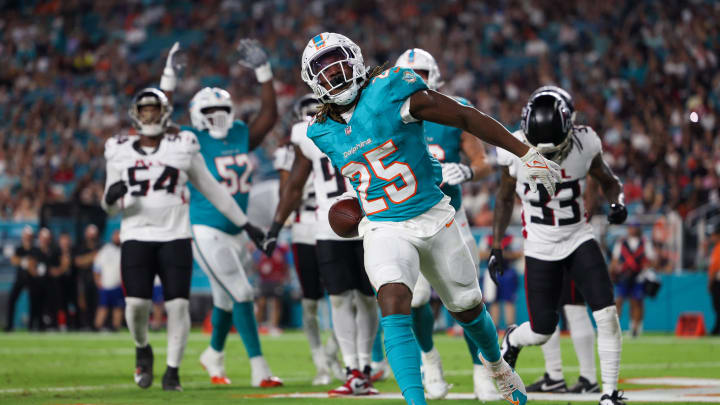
(472, 347)
(404, 357)
(221, 321)
(482, 331)
(377, 351)
(423, 322)
(244, 320)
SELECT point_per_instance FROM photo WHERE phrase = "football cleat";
(432, 375)
(171, 379)
(214, 363)
(616, 398)
(143, 366)
(483, 387)
(508, 351)
(260, 374)
(381, 371)
(547, 384)
(510, 385)
(357, 383)
(584, 385)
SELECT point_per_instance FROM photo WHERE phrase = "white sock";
(524, 336)
(137, 314)
(331, 346)
(609, 342)
(553, 356)
(343, 317)
(310, 323)
(366, 320)
(178, 329)
(583, 337)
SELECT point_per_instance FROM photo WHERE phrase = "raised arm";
(611, 187)
(290, 197)
(429, 105)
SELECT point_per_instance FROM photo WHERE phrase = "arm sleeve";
(203, 180)
(112, 175)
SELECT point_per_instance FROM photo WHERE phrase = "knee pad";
(607, 321)
(177, 306)
(139, 306)
(222, 300)
(462, 301)
(342, 299)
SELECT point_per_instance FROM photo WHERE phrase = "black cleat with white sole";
(547, 384)
(171, 379)
(584, 386)
(616, 398)
(143, 366)
(507, 351)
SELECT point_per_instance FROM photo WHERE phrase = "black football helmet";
(547, 121)
(305, 106)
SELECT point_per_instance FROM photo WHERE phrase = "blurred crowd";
(644, 74)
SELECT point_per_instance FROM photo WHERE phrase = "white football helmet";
(150, 96)
(420, 59)
(218, 121)
(305, 107)
(322, 53)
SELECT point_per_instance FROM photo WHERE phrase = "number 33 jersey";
(155, 207)
(554, 226)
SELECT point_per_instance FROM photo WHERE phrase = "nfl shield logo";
(348, 130)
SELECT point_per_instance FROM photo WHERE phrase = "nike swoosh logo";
(513, 401)
(449, 223)
(546, 387)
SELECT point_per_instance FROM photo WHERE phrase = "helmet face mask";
(421, 60)
(212, 109)
(546, 124)
(150, 112)
(333, 67)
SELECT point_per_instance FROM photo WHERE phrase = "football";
(344, 217)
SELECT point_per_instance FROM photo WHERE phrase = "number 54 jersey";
(554, 226)
(155, 207)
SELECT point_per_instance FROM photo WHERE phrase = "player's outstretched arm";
(475, 151)
(611, 187)
(252, 56)
(290, 197)
(429, 105)
(504, 204)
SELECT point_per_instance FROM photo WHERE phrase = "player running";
(218, 244)
(446, 143)
(559, 241)
(370, 126)
(303, 230)
(146, 182)
(340, 261)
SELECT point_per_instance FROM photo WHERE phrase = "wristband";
(264, 73)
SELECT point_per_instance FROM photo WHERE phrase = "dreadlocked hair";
(328, 109)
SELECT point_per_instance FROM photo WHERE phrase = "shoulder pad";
(587, 139)
(187, 141)
(114, 143)
(397, 84)
(298, 132)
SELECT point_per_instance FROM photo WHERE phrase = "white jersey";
(155, 207)
(305, 218)
(107, 264)
(329, 184)
(553, 227)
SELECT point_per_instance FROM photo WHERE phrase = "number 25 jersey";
(554, 226)
(155, 207)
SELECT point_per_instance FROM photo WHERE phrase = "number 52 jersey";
(155, 207)
(554, 226)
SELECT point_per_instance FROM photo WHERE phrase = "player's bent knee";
(462, 301)
(394, 298)
(420, 297)
(607, 319)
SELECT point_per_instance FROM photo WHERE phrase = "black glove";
(256, 235)
(115, 192)
(271, 238)
(496, 264)
(618, 213)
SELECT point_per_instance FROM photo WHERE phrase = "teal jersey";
(445, 144)
(387, 161)
(228, 161)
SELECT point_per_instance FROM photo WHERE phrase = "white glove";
(540, 170)
(252, 56)
(168, 80)
(455, 173)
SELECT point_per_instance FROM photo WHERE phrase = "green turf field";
(97, 369)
